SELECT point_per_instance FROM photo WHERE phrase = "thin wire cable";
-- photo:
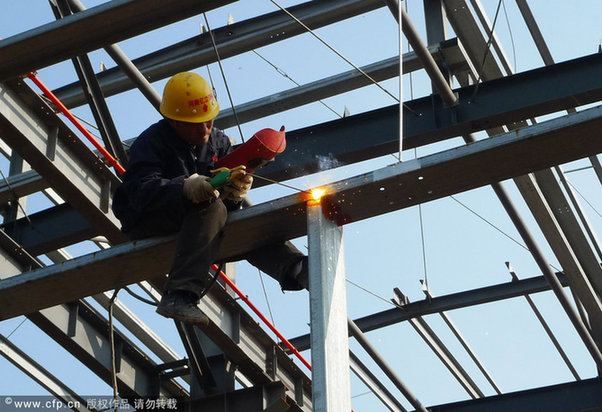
(584, 199)
(285, 75)
(372, 293)
(113, 356)
(219, 62)
(265, 294)
(497, 228)
(487, 50)
(422, 240)
(278, 183)
(490, 224)
(334, 50)
(579, 169)
(511, 35)
(15, 329)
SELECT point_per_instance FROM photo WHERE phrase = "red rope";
(76, 122)
(262, 317)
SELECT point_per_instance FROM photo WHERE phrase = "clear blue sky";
(462, 252)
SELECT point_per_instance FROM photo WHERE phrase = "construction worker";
(166, 190)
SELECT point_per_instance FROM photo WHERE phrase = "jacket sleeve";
(146, 189)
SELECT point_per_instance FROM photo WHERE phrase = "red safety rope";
(265, 320)
(76, 122)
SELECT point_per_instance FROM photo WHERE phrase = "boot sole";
(200, 319)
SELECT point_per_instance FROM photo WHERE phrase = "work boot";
(182, 305)
(297, 276)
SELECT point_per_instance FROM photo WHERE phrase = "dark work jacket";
(152, 188)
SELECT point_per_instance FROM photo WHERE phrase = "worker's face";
(193, 133)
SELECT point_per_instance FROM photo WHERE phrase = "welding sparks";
(313, 196)
(316, 194)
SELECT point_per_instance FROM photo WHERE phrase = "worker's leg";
(197, 246)
(283, 262)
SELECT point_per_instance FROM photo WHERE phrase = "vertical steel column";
(328, 309)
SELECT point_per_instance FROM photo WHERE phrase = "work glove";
(238, 187)
(198, 189)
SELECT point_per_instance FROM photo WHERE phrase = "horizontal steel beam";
(51, 229)
(448, 53)
(583, 395)
(506, 100)
(440, 304)
(86, 31)
(344, 141)
(83, 332)
(384, 190)
(230, 40)
(20, 185)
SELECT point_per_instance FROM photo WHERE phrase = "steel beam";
(128, 319)
(447, 53)
(328, 313)
(270, 397)
(20, 185)
(51, 229)
(230, 40)
(382, 363)
(432, 177)
(575, 396)
(374, 384)
(462, 341)
(445, 303)
(545, 326)
(127, 66)
(83, 332)
(33, 130)
(438, 347)
(39, 374)
(579, 282)
(568, 223)
(465, 27)
(506, 100)
(88, 30)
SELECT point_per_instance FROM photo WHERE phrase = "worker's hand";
(238, 187)
(198, 189)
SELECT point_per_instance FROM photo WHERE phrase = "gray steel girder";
(556, 141)
(82, 331)
(230, 40)
(86, 31)
(444, 303)
(41, 138)
(583, 395)
(505, 100)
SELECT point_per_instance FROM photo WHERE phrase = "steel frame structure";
(240, 348)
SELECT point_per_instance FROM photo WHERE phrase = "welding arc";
(278, 183)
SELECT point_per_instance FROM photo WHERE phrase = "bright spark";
(316, 194)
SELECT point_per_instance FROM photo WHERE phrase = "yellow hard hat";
(187, 97)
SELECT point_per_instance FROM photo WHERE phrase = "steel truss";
(239, 348)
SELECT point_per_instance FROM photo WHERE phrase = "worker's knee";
(218, 211)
